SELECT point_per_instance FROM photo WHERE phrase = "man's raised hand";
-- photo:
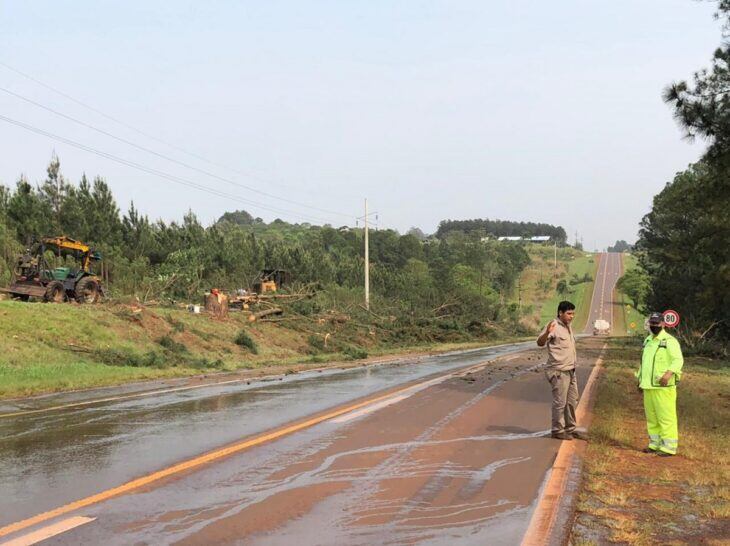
(550, 327)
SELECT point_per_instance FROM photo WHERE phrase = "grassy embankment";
(629, 497)
(571, 265)
(628, 320)
(56, 347)
(538, 283)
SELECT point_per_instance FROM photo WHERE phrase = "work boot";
(561, 436)
(580, 435)
(664, 454)
(649, 450)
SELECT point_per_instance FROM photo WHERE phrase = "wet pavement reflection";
(49, 459)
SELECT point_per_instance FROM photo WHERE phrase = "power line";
(107, 116)
(149, 170)
(131, 127)
(165, 157)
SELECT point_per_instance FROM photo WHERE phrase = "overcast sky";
(535, 111)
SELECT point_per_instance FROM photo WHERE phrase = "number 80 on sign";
(671, 318)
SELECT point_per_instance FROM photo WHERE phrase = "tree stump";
(216, 304)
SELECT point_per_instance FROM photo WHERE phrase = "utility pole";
(366, 219)
(367, 260)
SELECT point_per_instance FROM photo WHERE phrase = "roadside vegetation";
(458, 287)
(630, 497)
(684, 241)
(59, 347)
(628, 316)
(574, 282)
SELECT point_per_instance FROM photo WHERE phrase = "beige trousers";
(565, 399)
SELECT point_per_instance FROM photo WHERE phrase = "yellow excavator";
(33, 276)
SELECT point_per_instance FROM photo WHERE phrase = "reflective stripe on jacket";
(661, 353)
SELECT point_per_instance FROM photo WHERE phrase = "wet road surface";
(458, 458)
(49, 459)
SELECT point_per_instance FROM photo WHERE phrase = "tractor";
(33, 276)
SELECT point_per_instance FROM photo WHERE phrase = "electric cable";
(156, 172)
(165, 157)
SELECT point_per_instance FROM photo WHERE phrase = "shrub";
(128, 357)
(171, 345)
(243, 339)
(354, 352)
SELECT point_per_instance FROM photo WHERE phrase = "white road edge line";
(49, 531)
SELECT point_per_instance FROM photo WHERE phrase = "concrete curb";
(550, 522)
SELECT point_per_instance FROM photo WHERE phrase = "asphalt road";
(450, 448)
(610, 268)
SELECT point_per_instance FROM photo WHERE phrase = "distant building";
(534, 239)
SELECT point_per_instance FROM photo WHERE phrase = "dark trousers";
(565, 399)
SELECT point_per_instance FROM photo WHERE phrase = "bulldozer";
(34, 277)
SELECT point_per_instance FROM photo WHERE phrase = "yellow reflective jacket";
(661, 354)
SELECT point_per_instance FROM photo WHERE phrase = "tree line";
(501, 228)
(684, 241)
(178, 260)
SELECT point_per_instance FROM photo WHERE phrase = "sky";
(529, 111)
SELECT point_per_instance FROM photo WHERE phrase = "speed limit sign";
(671, 318)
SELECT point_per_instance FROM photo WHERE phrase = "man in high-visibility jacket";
(660, 370)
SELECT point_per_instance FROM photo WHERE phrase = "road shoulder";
(631, 497)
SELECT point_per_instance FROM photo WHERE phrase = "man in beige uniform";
(560, 371)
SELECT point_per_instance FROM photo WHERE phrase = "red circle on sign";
(671, 318)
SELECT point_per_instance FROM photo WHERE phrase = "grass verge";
(51, 348)
(629, 497)
(580, 294)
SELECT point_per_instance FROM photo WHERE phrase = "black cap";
(656, 318)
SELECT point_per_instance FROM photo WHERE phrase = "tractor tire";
(87, 291)
(55, 292)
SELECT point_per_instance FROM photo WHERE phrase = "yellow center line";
(204, 459)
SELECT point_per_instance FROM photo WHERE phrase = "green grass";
(536, 287)
(631, 497)
(579, 294)
(49, 348)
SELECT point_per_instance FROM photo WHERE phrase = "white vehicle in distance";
(601, 327)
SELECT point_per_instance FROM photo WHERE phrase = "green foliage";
(685, 239)
(316, 343)
(575, 279)
(458, 275)
(501, 228)
(354, 352)
(620, 246)
(562, 287)
(685, 249)
(129, 357)
(243, 339)
(635, 284)
(171, 345)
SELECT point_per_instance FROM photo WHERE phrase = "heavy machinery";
(270, 280)
(34, 277)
